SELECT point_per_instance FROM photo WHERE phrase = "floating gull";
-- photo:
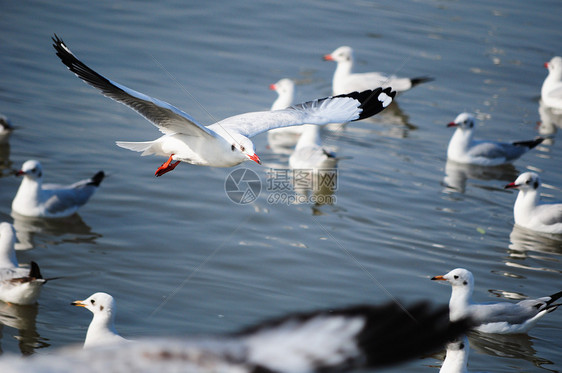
(463, 148)
(500, 317)
(345, 80)
(35, 199)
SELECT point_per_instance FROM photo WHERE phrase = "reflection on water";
(527, 244)
(551, 120)
(27, 229)
(316, 187)
(457, 174)
(22, 318)
(516, 346)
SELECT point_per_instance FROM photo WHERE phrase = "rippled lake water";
(181, 258)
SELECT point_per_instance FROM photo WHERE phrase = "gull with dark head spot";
(226, 143)
(102, 329)
(499, 317)
(35, 199)
(463, 148)
(529, 212)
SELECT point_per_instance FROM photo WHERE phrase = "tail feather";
(34, 272)
(420, 80)
(531, 143)
(143, 146)
(550, 306)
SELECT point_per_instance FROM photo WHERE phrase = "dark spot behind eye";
(101, 308)
(536, 185)
(232, 147)
(464, 283)
(461, 347)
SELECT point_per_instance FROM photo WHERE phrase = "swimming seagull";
(529, 212)
(17, 285)
(285, 136)
(463, 148)
(334, 340)
(101, 330)
(500, 317)
(345, 80)
(551, 90)
(6, 128)
(35, 199)
(309, 152)
(227, 142)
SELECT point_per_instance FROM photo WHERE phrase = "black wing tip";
(35, 272)
(554, 297)
(372, 101)
(97, 178)
(530, 143)
(421, 79)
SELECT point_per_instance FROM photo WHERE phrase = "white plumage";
(551, 90)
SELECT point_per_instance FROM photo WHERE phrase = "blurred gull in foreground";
(35, 199)
(17, 285)
(500, 317)
(463, 148)
(529, 212)
(456, 360)
(336, 340)
(551, 90)
(346, 81)
(283, 137)
(225, 143)
(102, 329)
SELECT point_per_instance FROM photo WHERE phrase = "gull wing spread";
(337, 109)
(166, 117)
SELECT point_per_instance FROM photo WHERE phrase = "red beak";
(272, 87)
(20, 172)
(451, 124)
(255, 158)
(546, 65)
(328, 57)
(511, 186)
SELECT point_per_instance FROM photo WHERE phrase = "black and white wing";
(323, 341)
(337, 109)
(166, 117)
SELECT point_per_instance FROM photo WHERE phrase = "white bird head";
(464, 121)
(284, 87)
(31, 169)
(458, 278)
(554, 66)
(245, 146)
(100, 304)
(526, 181)
(342, 54)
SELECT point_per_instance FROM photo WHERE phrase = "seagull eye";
(242, 148)
(456, 277)
(93, 301)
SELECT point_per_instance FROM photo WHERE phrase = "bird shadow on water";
(31, 231)
(21, 318)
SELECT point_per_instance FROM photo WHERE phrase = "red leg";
(166, 167)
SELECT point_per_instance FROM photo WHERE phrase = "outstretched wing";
(166, 117)
(337, 109)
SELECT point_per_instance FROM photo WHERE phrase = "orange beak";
(255, 158)
(328, 57)
(439, 278)
(78, 303)
(272, 87)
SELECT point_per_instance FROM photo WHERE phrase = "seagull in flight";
(227, 142)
